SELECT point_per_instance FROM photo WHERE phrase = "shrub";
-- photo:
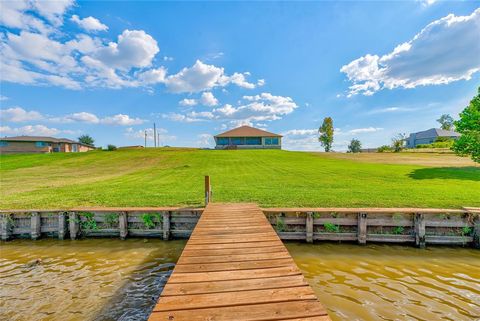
(384, 148)
(331, 228)
(111, 147)
(355, 146)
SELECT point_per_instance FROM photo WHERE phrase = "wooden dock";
(235, 267)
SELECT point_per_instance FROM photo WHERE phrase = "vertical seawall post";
(420, 230)
(62, 227)
(73, 225)
(166, 225)
(123, 225)
(5, 226)
(362, 228)
(208, 190)
(309, 227)
(476, 232)
(35, 225)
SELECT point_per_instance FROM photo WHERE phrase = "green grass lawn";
(272, 178)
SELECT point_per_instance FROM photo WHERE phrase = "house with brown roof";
(246, 137)
(40, 144)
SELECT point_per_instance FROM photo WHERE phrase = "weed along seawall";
(419, 227)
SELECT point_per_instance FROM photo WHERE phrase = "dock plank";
(235, 267)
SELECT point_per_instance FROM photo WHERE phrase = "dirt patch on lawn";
(423, 159)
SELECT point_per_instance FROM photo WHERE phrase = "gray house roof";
(436, 132)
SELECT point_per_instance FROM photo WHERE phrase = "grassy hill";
(161, 177)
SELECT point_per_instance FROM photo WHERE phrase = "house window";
(238, 141)
(41, 144)
(222, 140)
(3, 144)
(275, 141)
(254, 141)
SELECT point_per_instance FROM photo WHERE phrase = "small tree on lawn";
(86, 139)
(446, 122)
(398, 142)
(326, 134)
(469, 126)
(355, 146)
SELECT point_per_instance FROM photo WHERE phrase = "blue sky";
(111, 69)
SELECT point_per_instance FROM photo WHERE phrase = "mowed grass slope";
(174, 177)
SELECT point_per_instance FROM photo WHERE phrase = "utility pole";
(154, 135)
(158, 139)
(145, 139)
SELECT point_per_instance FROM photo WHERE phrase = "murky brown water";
(95, 279)
(381, 282)
(109, 279)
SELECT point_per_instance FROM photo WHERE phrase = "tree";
(111, 147)
(86, 139)
(469, 126)
(446, 122)
(398, 141)
(355, 146)
(326, 134)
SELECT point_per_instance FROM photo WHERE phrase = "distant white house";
(429, 136)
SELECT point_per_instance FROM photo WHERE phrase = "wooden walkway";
(234, 267)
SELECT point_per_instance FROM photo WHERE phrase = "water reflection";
(95, 279)
(382, 282)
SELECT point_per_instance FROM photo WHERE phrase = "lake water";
(109, 279)
(384, 282)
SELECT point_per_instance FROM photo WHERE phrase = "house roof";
(40, 139)
(436, 132)
(247, 131)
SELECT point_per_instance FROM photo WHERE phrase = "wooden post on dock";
(208, 190)
(73, 225)
(5, 226)
(35, 227)
(123, 225)
(62, 227)
(166, 225)
(420, 230)
(362, 228)
(309, 227)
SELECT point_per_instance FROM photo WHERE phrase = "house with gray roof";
(40, 144)
(429, 136)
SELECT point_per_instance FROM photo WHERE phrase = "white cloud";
(240, 80)
(258, 108)
(3, 98)
(208, 99)
(364, 130)
(18, 114)
(52, 10)
(82, 117)
(205, 140)
(190, 117)
(36, 50)
(188, 102)
(201, 77)
(197, 78)
(427, 3)
(89, 23)
(445, 51)
(32, 130)
(134, 48)
(261, 82)
(121, 119)
(153, 76)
